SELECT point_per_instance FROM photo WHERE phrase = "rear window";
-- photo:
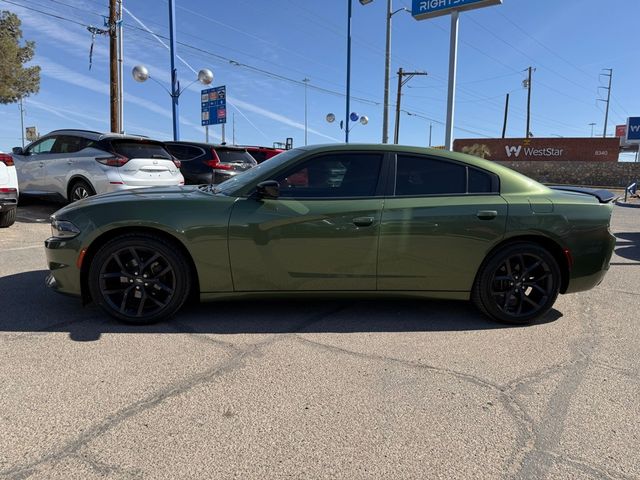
(185, 152)
(141, 150)
(258, 155)
(237, 156)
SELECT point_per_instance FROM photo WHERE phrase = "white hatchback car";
(74, 164)
(8, 190)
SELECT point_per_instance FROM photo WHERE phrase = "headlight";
(63, 229)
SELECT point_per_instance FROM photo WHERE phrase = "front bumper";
(64, 274)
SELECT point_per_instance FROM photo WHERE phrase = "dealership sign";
(422, 9)
(595, 149)
(633, 130)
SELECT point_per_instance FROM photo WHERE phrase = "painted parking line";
(21, 248)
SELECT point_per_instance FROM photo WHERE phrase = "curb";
(622, 203)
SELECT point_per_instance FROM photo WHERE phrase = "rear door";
(150, 164)
(320, 234)
(65, 159)
(438, 225)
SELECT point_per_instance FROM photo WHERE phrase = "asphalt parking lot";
(343, 389)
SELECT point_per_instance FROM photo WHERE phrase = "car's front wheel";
(139, 278)
(517, 284)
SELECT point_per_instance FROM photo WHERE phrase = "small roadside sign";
(633, 130)
(214, 105)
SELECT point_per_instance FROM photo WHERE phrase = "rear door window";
(426, 176)
(132, 149)
(69, 144)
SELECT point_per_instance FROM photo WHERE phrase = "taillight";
(8, 190)
(177, 162)
(113, 160)
(6, 159)
(216, 163)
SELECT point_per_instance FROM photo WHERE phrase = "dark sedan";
(206, 163)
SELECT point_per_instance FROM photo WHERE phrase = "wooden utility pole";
(114, 87)
(531, 70)
(506, 114)
(401, 82)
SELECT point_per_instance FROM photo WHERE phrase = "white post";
(206, 133)
(453, 64)
(223, 140)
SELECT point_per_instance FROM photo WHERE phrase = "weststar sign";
(542, 149)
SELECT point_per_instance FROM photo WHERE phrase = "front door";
(321, 234)
(32, 166)
(438, 225)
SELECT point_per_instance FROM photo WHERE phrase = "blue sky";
(568, 42)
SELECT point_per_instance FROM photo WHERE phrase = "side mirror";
(18, 150)
(268, 189)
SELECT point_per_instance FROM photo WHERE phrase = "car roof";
(93, 135)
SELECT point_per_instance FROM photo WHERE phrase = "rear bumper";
(8, 200)
(590, 268)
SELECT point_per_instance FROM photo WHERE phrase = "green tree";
(16, 81)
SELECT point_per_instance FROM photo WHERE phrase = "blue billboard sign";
(422, 9)
(214, 105)
(633, 130)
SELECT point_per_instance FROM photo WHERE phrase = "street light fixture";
(141, 74)
(353, 116)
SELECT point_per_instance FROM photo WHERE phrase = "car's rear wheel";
(8, 217)
(517, 284)
(139, 278)
(79, 190)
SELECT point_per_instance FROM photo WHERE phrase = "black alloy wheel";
(80, 190)
(517, 284)
(139, 278)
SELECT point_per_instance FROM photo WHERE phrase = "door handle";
(70, 162)
(363, 221)
(41, 164)
(486, 214)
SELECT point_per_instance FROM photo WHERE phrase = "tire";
(79, 190)
(501, 292)
(8, 217)
(139, 278)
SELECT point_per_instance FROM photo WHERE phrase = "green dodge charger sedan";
(336, 220)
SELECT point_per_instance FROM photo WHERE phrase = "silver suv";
(74, 164)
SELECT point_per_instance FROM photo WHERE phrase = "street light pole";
(453, 66)
(348, 106)
(306, 81)
(592, 124)
(175, 86)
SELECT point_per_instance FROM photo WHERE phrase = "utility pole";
(233, 124)
(120, 64)
(528, 85)
(608, 100)
(348, 100)
(592, 124)
(402, 81)
(430, 132)
(306, 82)
(506, 114)
(113, 67)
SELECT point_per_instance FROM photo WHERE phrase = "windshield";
(240, 181)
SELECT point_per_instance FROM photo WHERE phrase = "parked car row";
(70, 165)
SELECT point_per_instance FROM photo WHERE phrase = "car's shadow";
(28, 306)
(36, 210)
(628, 246)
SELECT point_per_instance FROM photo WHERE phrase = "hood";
(143, 194)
